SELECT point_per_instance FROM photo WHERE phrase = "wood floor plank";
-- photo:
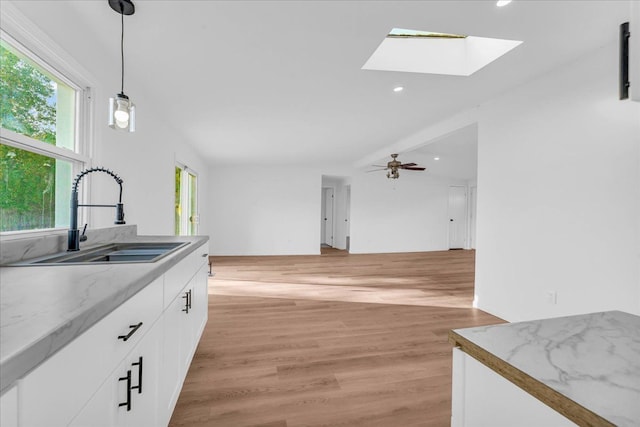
(330, 340)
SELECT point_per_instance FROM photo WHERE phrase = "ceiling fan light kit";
(122, 112)
(393, 167)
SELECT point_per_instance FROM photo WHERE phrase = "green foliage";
(27, 99)
(27, 190)
(27, 180)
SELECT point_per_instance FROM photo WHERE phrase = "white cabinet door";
(184, 321)
(176, 337)
(129, 397)
(481, 398)
(144, 363)
(9, 408)
(101, 410)
(199, 304)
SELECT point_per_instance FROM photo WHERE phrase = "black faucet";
(74, 238)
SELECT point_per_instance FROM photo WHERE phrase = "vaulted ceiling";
(281, 81)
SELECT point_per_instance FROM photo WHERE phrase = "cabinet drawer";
(66, 381)
(177, 277)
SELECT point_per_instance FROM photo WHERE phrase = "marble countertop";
(43, 308)
(586, 367)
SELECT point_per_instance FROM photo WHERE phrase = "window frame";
(22, 35)
(185, 193)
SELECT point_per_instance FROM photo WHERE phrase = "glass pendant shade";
(122, 113)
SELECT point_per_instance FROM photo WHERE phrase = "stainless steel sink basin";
(114, 253)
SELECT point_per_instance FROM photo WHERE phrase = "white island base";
(482, 398)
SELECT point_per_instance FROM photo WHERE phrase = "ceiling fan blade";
(379, 166)
(376, 170)
(409, 164)
(413, 168)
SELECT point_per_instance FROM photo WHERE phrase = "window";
(186, 196)
(40, 151)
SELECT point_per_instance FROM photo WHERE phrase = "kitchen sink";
(113, 253)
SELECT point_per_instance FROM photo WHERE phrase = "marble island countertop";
(587, 367)
(43, 308)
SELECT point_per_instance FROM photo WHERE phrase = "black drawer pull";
(133, 330)
(139, 365)
(128, 402)
(187, 304)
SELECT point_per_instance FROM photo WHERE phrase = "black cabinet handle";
(187, 304)
(133, 330)
(139, 365)
(128, 402)
(204, 255)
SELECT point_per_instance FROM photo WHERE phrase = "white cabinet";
(200, 303)
(184, 321)
(129, 396)
(128, 368)
(176, 339)
(53, 393)
(9, 408)
(481, 397)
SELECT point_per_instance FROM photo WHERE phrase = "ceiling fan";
(395, 165)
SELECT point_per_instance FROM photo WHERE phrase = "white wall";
(264, 210)
(559, 195)
(276, 211)
(146, 161)
(408, 214)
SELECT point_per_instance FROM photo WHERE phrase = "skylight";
(429, 52)
(401, 32)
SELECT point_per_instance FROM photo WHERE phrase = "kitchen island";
(70, 334)
(584, 367)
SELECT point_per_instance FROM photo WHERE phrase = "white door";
(347, 218)
(457, 216)
(328, 216)
(473, 196)
(323, 223)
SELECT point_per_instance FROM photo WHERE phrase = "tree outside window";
(38, 150)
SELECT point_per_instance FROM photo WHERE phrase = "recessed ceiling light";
(501, 3)
(436, 158)
(398, 89)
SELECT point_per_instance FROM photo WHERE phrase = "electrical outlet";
(552, 297)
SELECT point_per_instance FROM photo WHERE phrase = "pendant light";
(122, 112)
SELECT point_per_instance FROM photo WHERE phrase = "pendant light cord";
(122, 50)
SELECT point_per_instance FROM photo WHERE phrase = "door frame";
(185, 195)
(472, 207)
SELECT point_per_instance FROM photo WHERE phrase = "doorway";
(335, 210)
(186, 201)
(326, 224)
(457, 216)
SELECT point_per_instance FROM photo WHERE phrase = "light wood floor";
(330, 340)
